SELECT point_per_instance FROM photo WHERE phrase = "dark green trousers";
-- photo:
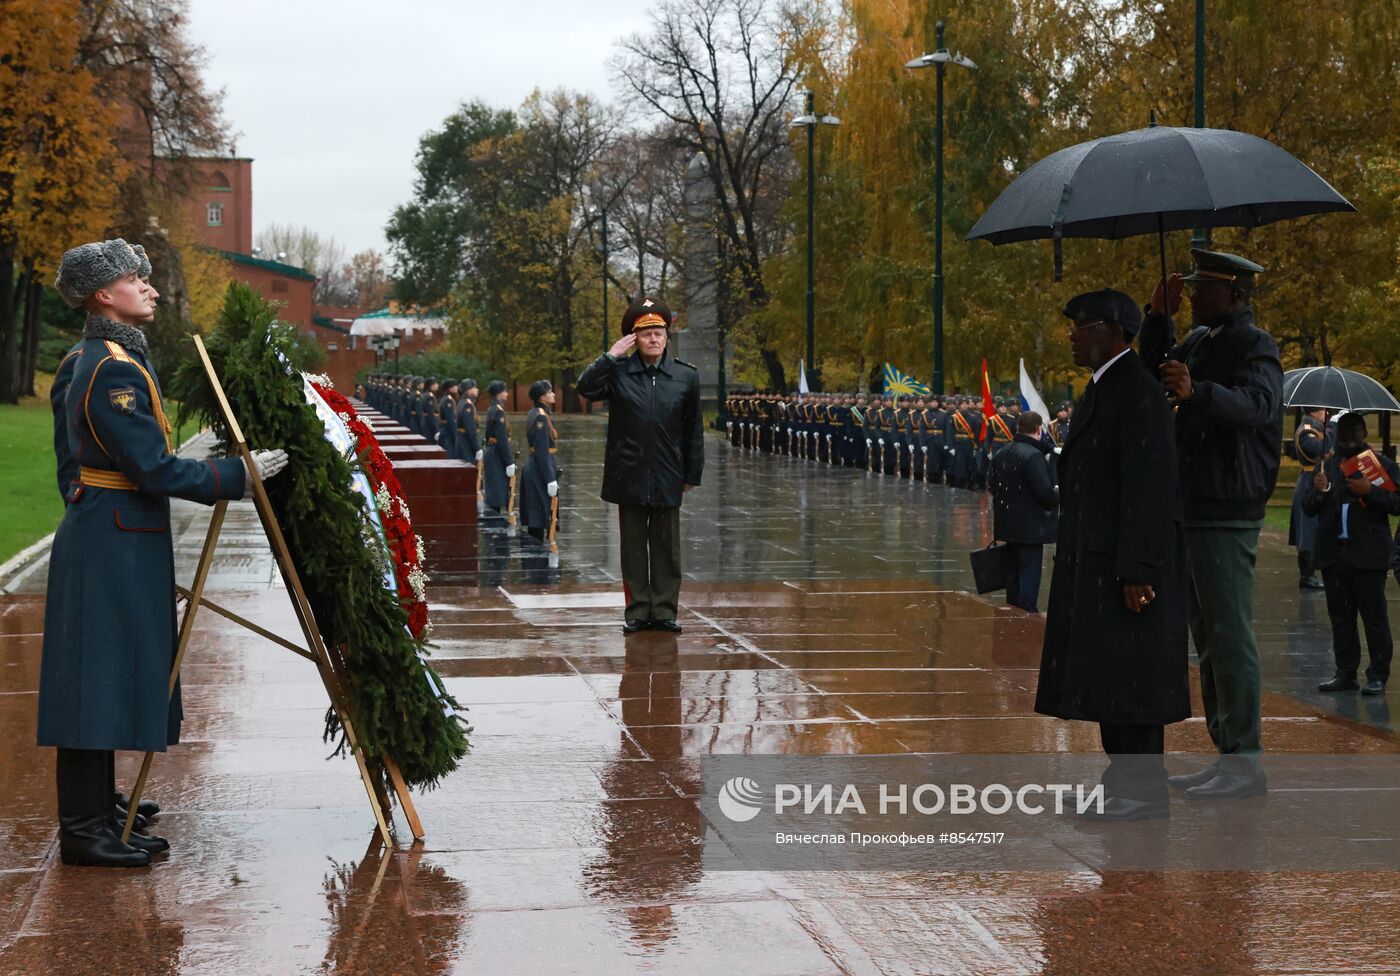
(651, 561)
(1221, 605)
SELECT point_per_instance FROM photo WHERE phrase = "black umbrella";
(1155, 180)
(1335, 389)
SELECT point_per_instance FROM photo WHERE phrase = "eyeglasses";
(1078, 327)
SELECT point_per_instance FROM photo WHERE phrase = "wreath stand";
(330, 663)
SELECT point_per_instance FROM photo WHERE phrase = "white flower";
(418, 583)
(382, 501)
(320, 379)
(422, 550)
(403, 509)
(427, 629)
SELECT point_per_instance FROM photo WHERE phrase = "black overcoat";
(539, 470)
(1120, 521)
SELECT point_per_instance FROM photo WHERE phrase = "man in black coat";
(1226, 382)
(655, 454)
(1115, 630)
(1352, 547)
(1025, 506)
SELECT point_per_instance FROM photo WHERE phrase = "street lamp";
(939, 59)
(810, 121)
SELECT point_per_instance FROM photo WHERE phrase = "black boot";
(91, 842)
(85, 834)
(146, 808)
(1307, 579)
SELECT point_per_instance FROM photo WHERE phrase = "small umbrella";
(1155, 180)
(1335, 389)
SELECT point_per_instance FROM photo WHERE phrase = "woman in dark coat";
(1115, 630)
(539, 481)
(500, 463)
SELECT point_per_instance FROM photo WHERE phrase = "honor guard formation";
(945, 440)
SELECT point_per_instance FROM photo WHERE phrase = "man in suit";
(1115, 629)
(1352, 548)
(1025, 505)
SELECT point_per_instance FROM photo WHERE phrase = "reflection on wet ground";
(570, 840)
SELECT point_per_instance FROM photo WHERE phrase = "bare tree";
(302, 247)
(721, 74)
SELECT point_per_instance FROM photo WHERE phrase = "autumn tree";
(59, 169)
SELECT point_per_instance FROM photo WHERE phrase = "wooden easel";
(329, 663)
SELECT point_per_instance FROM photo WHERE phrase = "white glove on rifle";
(552, 488)
(478, 457)
(438, 437)
(266, 464)
(510, 471)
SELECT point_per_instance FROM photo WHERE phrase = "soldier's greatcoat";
(497, 458)
(539, 470)
(109, 623)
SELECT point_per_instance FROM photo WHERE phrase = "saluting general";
(109, 623)
(655, 455)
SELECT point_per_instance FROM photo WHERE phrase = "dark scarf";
(98, 327)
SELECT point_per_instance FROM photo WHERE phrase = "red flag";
(989, 409)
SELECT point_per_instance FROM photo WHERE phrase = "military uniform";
(1228, 435)
(498, 457)
(540, 469)
(467, 440)
(447, 421)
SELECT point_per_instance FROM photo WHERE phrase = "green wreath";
(340, 558)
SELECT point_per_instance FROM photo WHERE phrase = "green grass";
(32, 504)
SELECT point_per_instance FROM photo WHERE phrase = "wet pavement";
(824, 613)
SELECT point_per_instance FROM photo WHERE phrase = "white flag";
(1030, 399)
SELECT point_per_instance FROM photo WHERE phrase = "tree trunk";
(33, 307)
(8, 393)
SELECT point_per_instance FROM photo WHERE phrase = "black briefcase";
(989, 568)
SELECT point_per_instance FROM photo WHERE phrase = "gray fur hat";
(88, 267)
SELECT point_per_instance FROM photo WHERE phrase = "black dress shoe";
(1231, 786)
(1374, 687)
(1310, 583)
(146, 808)
(670, 626)
(632, 626)
(90, 842)
(1339, 682)
(1185, 781)
(1120, 808)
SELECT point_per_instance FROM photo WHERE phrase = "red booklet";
(1368, 466)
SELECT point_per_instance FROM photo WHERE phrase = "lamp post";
(596, 212)
(810, 121)
(939, 59)
(1200, 236)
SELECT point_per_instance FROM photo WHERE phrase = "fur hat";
(88, 267)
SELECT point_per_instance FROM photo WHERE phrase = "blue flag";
(902, 384)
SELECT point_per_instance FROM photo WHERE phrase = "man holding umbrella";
(1226, 382)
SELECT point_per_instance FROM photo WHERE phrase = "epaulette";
(682, 362)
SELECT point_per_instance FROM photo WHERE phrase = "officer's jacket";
(498, 434)
(1228, 433)
(447, 421)
(656, 435)
(109, 630)
(428, 416)
(66, 466)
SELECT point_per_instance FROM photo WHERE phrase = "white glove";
(552, 488)
(510, 471)
(924, 449)
(438, 437)
(478, 457)
(266, 464)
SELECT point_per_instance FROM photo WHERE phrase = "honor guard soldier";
(447, 418)
(109, 622)
(966, 430)
(500, 462)
(428, 410)
(468, 440)
(1312, 442)
(1226, 382)
(1059, 427)
(539, 481)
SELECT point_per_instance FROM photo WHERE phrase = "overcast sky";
(330, 98)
